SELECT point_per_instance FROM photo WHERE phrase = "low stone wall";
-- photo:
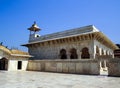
(89, 67)
(114, 67)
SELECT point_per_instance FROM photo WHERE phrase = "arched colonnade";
(73, 54)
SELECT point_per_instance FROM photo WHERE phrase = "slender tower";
(34, 29)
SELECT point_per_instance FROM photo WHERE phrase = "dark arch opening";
(97, 50)
(106, 53)
(63, 54)
(85, 53)
(3, 64)
(102, 52)
(73, 55)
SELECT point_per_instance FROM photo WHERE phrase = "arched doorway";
(73, 54)
(63, 54)
(3, 64)
(85, 53)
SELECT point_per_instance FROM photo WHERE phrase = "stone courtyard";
(29, 79)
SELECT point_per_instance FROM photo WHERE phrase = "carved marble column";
(112, 55)
(91, 56)
(105, 66)
(79, 54)
(100, 51)
(68, 55)
(101, 66)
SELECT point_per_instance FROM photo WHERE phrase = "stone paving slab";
(29, 79)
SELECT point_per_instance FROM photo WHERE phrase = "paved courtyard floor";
(29, 79)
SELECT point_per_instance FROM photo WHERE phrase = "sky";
(54, 16)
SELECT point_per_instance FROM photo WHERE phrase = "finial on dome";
(34, 22)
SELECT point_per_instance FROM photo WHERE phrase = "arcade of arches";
(73, 54)
(103, 55)
(84, 54)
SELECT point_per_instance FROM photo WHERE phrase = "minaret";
(33, 32)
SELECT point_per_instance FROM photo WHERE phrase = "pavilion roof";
(67, 33)
(86, 30)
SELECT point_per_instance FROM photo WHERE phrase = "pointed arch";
(63, 54)
(85, 53)
(73, 54)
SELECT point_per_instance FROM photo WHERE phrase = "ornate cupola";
(34, 28)
(33, 32)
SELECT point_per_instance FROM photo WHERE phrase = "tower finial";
(34, 22)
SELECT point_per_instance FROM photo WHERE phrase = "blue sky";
(56, 15)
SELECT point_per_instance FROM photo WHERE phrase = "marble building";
(13, 60)
(80, 43)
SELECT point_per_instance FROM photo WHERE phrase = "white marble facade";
(13, 60)
(72, 44)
